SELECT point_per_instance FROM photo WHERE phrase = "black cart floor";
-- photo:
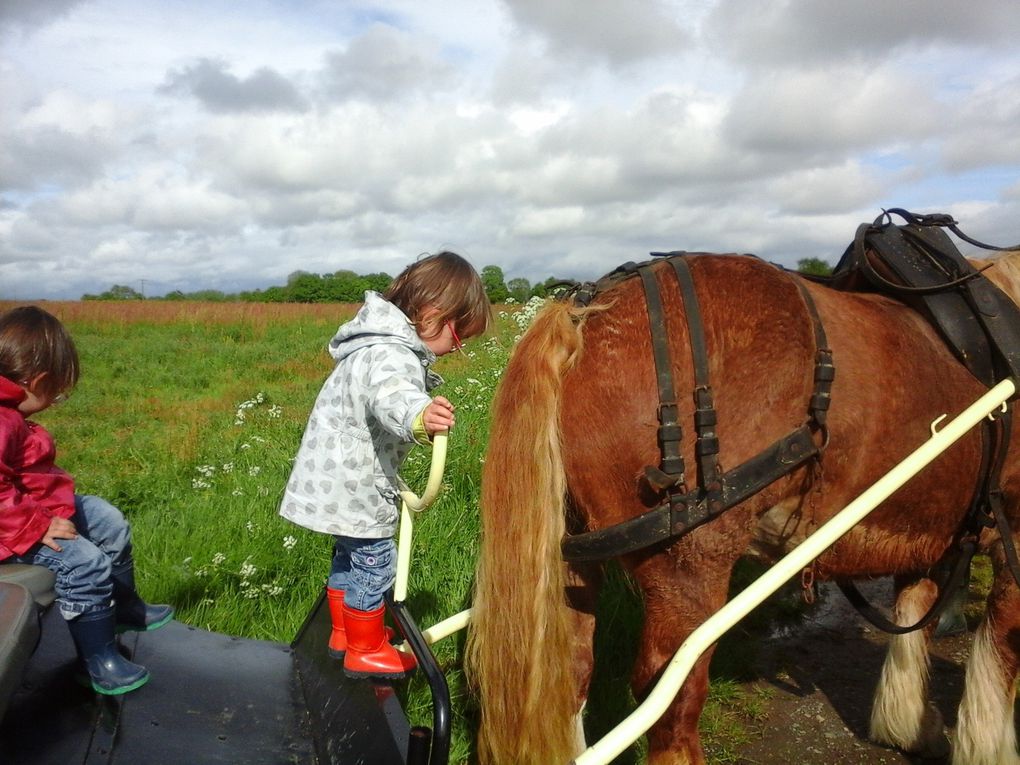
(211, 699)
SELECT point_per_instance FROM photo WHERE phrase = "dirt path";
(820, 681)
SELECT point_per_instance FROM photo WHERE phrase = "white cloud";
(549, 220)
(218, 90)
(832, 110)
(384, 64)
(824, 190)
(195, 147)
(619, 32)
(799, 33)
(27, 15)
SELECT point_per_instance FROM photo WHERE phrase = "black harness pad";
(917, 263)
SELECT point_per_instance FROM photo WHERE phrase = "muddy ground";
(819, 680)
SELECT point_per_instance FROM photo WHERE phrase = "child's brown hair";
(450, 284)
(34, 342)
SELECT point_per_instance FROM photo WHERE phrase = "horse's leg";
(583, 584)
(685, 591)
(985, 732)
(901, 715)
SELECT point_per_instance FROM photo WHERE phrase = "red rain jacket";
(32, 488)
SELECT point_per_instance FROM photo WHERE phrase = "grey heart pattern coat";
(345, 477)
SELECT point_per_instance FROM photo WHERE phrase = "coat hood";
(378, 322)
(11, 394)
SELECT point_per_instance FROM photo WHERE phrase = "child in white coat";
(371, 410)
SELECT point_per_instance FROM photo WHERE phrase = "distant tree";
(308, 288)
(293, 276)
(495, 287)
(519, 289)
(273, 295)
(547, 288)
(117, 292)
(378, 282)
(208, 296)
(346, 287)
(814, 267)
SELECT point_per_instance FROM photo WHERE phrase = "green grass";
(189, 428)
(189, 422)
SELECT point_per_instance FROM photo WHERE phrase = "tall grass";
(188, 416)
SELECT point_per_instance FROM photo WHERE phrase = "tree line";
(348, 287)
(339, 287)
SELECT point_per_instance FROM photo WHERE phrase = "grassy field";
(187, 417)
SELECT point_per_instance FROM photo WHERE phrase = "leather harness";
(684, 509)
(979, 322)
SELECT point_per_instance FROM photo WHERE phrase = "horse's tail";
(518, 652)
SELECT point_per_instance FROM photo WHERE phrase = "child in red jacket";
(84, 540)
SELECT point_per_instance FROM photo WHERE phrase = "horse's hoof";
(935, 749)
(934, 743)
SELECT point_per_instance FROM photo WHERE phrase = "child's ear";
(428, 324)
(33, 383)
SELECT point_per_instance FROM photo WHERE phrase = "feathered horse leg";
(901, 715)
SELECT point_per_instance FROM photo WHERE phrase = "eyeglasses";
(457, 344)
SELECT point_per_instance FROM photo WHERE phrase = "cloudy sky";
(191, 144)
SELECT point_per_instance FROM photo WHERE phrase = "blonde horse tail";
(518, 650)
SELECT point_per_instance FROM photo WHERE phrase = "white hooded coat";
(345, 477)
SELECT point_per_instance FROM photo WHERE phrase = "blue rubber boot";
(133, 613)
(109, 672)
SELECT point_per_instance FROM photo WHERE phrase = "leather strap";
(706, 447)
(664, 522)
(825, 370)
(670, 432)
(961, 566)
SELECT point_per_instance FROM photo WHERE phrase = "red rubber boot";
(338, 636)
(368, 652)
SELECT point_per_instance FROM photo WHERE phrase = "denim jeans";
(85, 565)
(364, 569)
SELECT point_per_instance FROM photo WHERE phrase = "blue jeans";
(85, 565)
(364, 569)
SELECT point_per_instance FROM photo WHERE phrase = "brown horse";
(574, 424)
